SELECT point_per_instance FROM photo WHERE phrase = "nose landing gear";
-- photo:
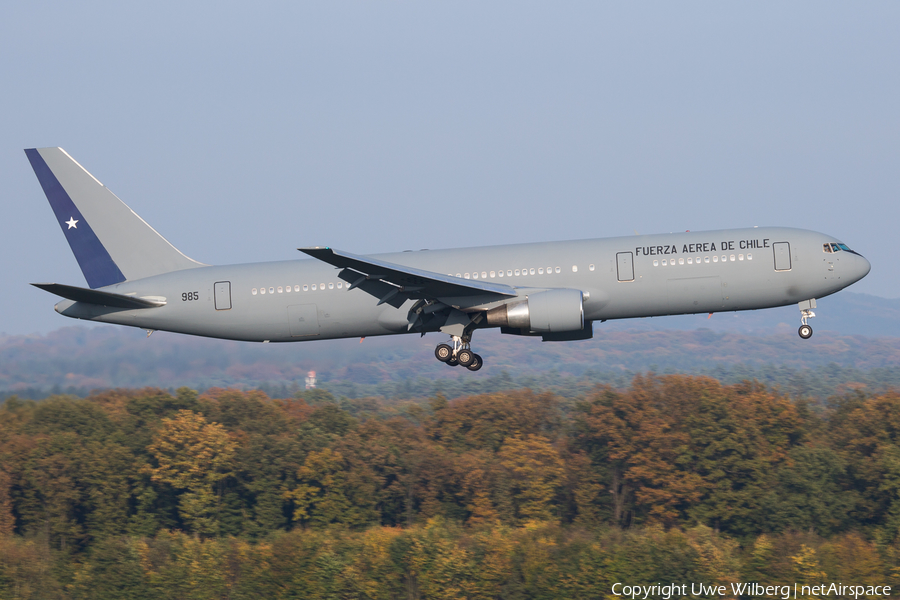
(806, 312)
(459, 353)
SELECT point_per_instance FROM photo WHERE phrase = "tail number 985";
(189, 296)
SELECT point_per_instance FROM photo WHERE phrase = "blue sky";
(242, 132)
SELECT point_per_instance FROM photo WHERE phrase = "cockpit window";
(832, 247)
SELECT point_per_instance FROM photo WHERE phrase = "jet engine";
(543, 312)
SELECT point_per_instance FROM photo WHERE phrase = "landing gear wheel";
(805, 332)
(476, 364)
(443, 352)
(452, 362)
(465, 357)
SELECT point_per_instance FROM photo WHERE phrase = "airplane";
(555, 290)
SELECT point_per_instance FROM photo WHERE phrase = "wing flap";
(99, 297)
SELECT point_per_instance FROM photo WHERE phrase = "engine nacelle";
(550, 311)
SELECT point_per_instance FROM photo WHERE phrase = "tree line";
(518, 493)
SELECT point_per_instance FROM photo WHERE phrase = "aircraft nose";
(861, 267)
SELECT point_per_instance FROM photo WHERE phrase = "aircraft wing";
(394, 284)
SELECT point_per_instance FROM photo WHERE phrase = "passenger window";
(690, 261)
(340, 285)
(466, 275)
(655, 263)
(706, 259)
(740, 257)
(296, 288)
(715, 259)
(305, 287)
(731, 257)
(549, 270)
(330, 286)
(591, 267)
(509, 273)
(540, 270)
(475, 275)
(280, 289)
(680, 261)
(253, 291)
(574, 269)
(749, 257)
(558, 270)
(484, 275)
(262, 290)
(665, 263)
(314, 287)
(271, 290)
(492, 274)
(517, 272)
(531, 271)
(500, 273)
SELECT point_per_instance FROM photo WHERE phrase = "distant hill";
(857, 344)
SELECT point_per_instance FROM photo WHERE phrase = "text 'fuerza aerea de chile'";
(785, 592)
(701, 247)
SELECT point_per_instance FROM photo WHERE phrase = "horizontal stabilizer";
(87, 296)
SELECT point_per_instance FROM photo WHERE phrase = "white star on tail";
(72, 223)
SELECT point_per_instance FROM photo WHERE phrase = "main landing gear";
(806, 312)
(459, 353)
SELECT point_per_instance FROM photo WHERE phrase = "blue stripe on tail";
(97, 265)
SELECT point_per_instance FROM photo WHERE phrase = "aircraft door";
(304, 319)
(223, 295)
(625, 266)
(782, 256)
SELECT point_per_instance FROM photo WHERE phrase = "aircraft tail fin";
(110, 241)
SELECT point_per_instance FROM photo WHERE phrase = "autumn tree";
(679, 448)
(329, 492)
(486, 420)
(865, 431)
(193, 455)
(533, 472)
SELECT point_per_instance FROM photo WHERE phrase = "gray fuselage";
(625, 277)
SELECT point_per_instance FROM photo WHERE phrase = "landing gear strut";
(459, 353)
(806, 312)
